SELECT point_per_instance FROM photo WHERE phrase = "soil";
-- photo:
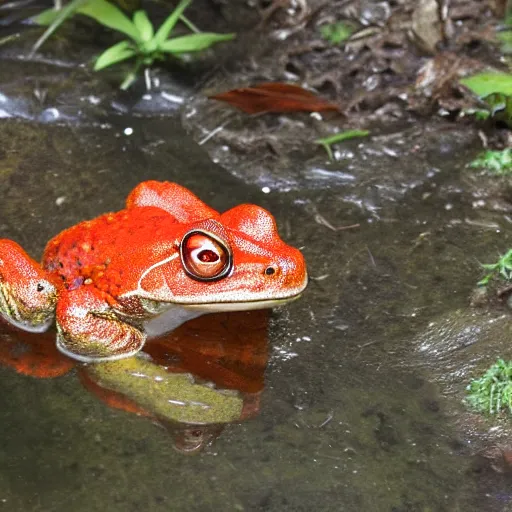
(363, 402)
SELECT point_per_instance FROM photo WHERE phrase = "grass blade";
(326, 142)
(110, 16)
(167, 26)
(143, 25)
(193, 42)
(60, 17)
(117, 53)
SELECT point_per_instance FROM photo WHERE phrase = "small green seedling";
(505, 38)
(497, 162)
(145, 44)
(492, 393)
(336, 33)
(327, 142)
(505, 34)
(494, 88)
(503, 268)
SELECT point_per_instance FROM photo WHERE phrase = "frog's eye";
(205, 257)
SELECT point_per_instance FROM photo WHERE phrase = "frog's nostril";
(40, 287)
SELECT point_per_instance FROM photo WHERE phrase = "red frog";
(166, 258)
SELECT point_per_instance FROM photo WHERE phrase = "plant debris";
(274, 97)
(408, 54)
(327, 142)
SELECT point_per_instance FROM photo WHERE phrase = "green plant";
(505, 34)
(327, 142)
(503, 268)
(493, 88)
(497, 162)
(492, 392)
(144, 44)
(336, 33)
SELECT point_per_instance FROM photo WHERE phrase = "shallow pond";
(361, 407)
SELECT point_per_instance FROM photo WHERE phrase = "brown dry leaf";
(274, 97)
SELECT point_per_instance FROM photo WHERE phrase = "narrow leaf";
(110, 16)
(340, 137)
(275, 97)
(167, 26)
(326, 142)
(130, 78)
(60, 17)
(46, 17)
(193, 42)
(117, 53)
(144, 26)
(189, 24)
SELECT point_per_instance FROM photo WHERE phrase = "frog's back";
(92, 247)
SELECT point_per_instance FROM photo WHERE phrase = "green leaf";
(498, 162)
(506, 40)
(46, 17)
(326, 142)
(193, 42)
(144, 26)
(340, 137)
(58, 19)
(336, 33)
(484, 84)
(167, 26)
(102, 11)
(110, 16)
(189, 24)
(117, 53)
(130, 78)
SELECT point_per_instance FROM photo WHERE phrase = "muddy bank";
(361, 407)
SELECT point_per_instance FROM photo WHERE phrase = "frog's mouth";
(244, 300)
(166, 316)
(219, 307)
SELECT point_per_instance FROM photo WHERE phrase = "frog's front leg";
(89, 330)
(27, 293)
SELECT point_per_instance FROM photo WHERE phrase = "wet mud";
(362, 401)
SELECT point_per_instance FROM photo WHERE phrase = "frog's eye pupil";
(269, 271)
(40, 287)
(205, 256)
(208, 256)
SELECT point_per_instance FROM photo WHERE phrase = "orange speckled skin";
(120, 269)
(112, 251)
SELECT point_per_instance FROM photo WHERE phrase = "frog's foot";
(174, 199)
(27, 294)
(89, 330)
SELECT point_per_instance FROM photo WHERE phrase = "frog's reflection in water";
(193, 381)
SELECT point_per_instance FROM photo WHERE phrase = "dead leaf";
(274, 97)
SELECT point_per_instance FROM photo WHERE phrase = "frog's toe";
(93, 351)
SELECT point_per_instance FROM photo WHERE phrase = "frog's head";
(234, 262)
(27, 294)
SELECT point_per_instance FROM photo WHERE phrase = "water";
(355, 414)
